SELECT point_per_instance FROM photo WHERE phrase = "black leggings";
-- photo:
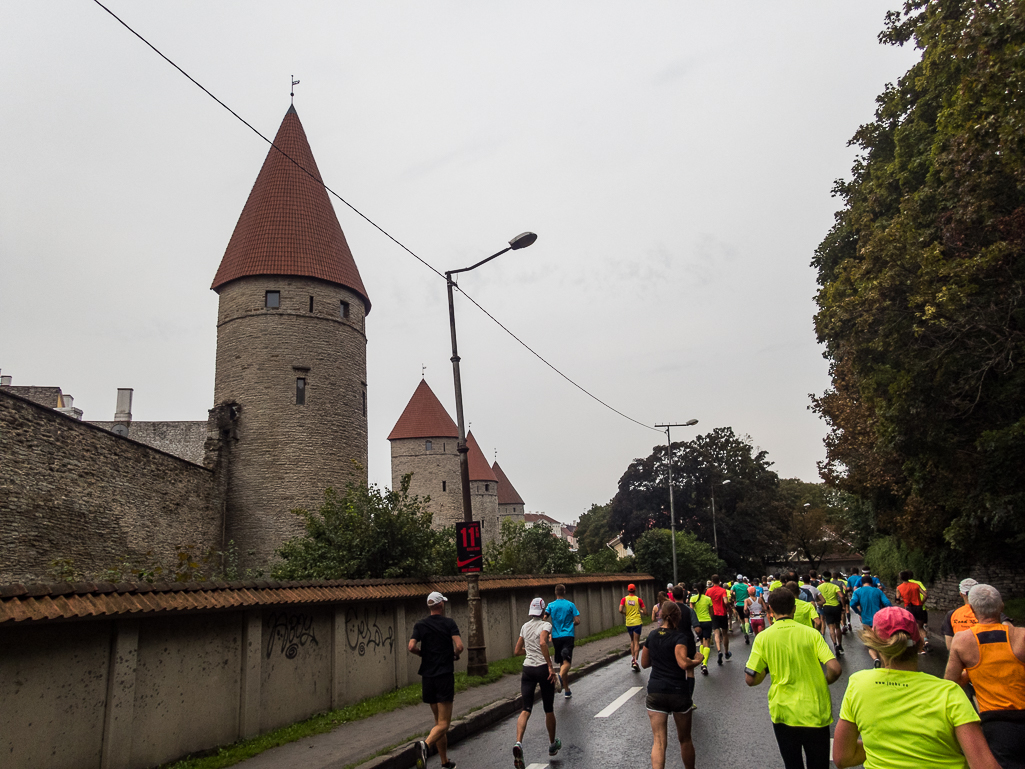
(1006, 740)
(532, 678)
(813, 740)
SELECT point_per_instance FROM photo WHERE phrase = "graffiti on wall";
(363, 632)
(289, 632)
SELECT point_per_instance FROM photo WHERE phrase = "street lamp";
(672, 513)
(476, 658)
(715, 535)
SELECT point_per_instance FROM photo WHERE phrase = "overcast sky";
(675, 160)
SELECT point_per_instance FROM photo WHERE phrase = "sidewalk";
(358, 741)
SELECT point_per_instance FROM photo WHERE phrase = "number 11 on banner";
(469, 554)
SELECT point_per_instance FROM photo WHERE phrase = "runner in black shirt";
(439, 648)
(670, 652)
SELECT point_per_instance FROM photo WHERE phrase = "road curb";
(404, 756)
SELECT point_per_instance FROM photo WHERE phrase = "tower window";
(430, 445)
(345, 309)
(272, 300)
(300, 391)
(364, 402)
(444, 485)
(487, 487)
(311, 304)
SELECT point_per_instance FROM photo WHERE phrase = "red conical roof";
(424, 417)
(507, 494)
(287, 226)
(480, 470)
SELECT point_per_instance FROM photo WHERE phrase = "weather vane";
(294, 84)
(423, 370)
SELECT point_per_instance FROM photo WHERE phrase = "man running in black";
(440, 646)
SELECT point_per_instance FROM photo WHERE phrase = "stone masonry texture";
(72, 490)
(182, 439)
(285, 455)
(430, 469)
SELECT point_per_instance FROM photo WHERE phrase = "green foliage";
(922, 298)
(888, 556)
(522, 550)
(366, 533)
(593, 531)
(695, 560)
(748, 510)
(607, 562)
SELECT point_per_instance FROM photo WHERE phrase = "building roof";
(541, 517)
(507, 494)
(424, 417)
(480, 470)
(287, 226)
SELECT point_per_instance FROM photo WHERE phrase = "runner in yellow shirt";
(632, 607)
(702, 605)
(832, 610)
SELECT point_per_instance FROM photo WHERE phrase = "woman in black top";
(670, 653)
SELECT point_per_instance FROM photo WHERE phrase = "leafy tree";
(365, 534)
(606, 561)
(922, 298)
(523, 550)
(747, 508)
(695, 560)
(593, 530)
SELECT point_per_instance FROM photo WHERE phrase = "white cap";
(669, 586)
(966, 585)
(537, 607)
(435, 598)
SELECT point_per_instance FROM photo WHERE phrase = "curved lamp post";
(672, 513)
(476, 658)
(715, 535)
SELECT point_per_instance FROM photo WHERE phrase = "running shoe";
(518, 756)
(421, 754)
(558, 683)
(877, 664)
(567, 694)
(554, 747)
(729, 656)
(839, 650)
(720, 658)
(449, 765)
(635, 666)
(747, 640)
(704, 670)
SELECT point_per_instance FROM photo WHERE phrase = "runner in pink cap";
(893, 618)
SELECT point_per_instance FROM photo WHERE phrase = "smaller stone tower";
(483, 490)
(423, 442)
(510, 503)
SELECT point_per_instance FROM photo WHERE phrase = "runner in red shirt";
(720, 617)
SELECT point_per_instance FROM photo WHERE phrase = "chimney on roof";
(69, 407)
(5, 381)
(123, 412)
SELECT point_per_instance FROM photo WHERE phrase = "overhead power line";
(366, 218)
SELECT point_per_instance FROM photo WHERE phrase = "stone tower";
(483, 490)
(423, 442)
(510, 503)
(291, 351)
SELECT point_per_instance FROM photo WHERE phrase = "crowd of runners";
(892, 715)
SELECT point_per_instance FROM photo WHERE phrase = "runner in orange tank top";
(992, 657)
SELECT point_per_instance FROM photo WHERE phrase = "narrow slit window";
(311, 304)
(364, 403)
(487, 487)
(300, 391)
(345, 309)
(430, 445)
(444, 485)
(272, 300)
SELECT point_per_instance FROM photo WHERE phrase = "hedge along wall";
(131, 676)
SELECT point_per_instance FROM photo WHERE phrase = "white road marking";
(617, 703)
(537, 766)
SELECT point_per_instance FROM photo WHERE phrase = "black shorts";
(563, 648)
(439, 688)
(1006, 739)
(679, 702)
(530, 679)
(832, 614)
(634, 629)
(920, 615)
(720, 622)
(704, 630)
(741, 611)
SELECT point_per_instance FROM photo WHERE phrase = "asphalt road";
(731, 726)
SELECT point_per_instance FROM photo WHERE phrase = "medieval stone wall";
(184, 440)
(431, 469)
(484, 503)
(72, 490)
(284, 454)
(1008, 578)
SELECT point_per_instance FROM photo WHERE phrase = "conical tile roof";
(424, 417)
(507, 494)
(287, 226)
(480, 470)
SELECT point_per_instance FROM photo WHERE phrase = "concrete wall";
(137, 691)
(72, 490)
(285, 455)
(430, 469)
(184, 440)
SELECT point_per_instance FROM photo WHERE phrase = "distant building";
(620, 549)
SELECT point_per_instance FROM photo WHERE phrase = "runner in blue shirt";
(867, 600)
(564, 617)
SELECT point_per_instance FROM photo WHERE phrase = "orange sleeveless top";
(999, 676)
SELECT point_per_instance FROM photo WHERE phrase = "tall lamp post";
(715, 535)
(672, 512)
(477, 658)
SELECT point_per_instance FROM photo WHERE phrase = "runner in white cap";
(439, 648)
(538, 670)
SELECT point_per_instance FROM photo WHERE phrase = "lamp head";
(725, 482)
(522, 240)
(690, 422)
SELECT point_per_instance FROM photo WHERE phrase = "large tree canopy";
(921, 299)
(719, 464)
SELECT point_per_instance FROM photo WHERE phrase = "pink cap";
(893, 618)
